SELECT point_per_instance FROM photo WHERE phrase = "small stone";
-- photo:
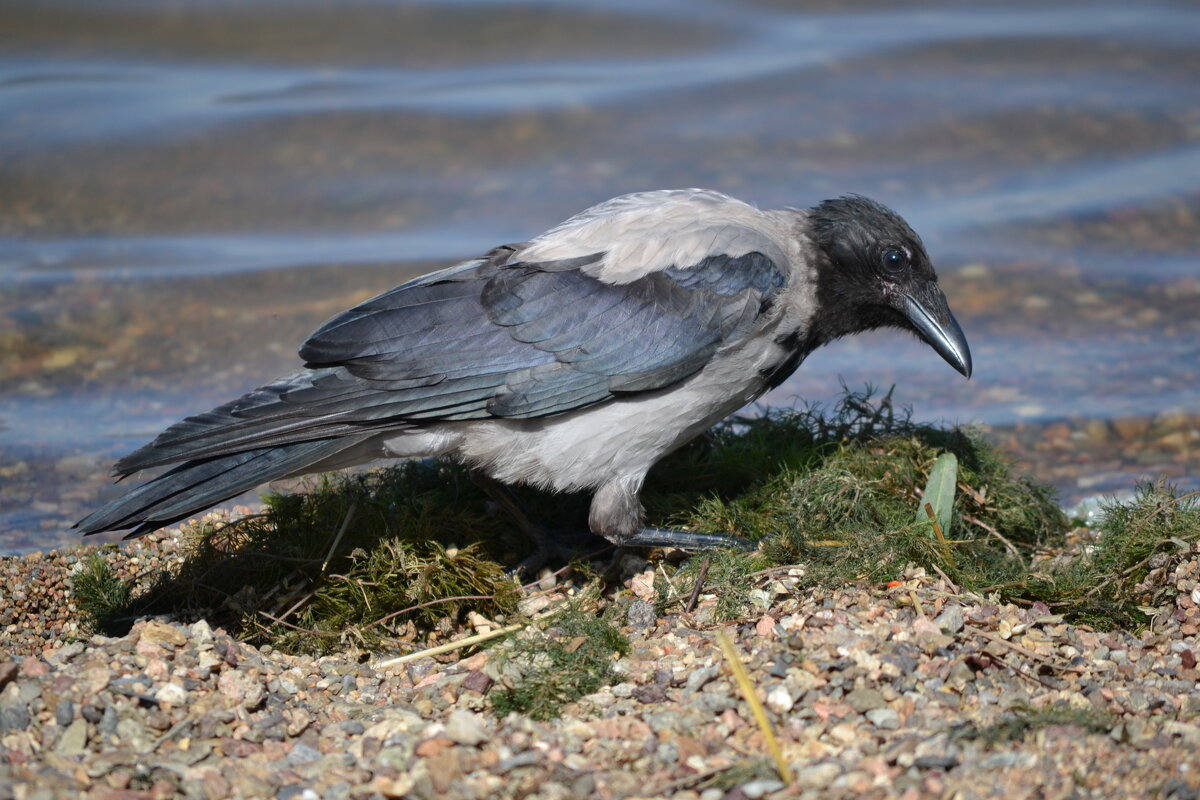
(532, 605)
(936, 761)
(884, 718)
(951, 619)
(641, 615)
(108, 721)
(14, 718)
(202, 632)
(172, 694)
(476, 681)
(466, 728)
(241, 688)
(862, 700)
(65, 713)
(697, 679)
(780, 700)
(302, 754)
(756, 789)
(34, 668)
(161, 633)
(818, 776)
(74, 739)
(8, 673)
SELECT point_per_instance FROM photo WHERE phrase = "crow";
(571, 362)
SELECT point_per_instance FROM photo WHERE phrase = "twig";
(916, 604)
(691, 603)
(309, 631)
(297, 604)
(991, 637)
(953, 587)
(772, 571)
(450, 646)
(174, 729)
(937, 526)
(937, 530)
(427, 604)
(1012, 548)
(341, 532)
(760, 715)
(1022, 673)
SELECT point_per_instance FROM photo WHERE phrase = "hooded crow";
(571, 362)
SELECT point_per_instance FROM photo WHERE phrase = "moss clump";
(837, 493)
(1111, 582)
(331, 566)
(548, 669)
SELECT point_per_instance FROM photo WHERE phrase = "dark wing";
(537, 339)
(489, 339)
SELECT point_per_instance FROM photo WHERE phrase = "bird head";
(876, 273)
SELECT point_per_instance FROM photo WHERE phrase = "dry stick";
(1012, 548)
(916, 603)
(1022, 673)
(297, 604)
(1025, 651)
(341, 532)
(691, 603)
(309, 631)
(427, 604)
(449, 646)
(760, 716)
(937, 530)
(954, 589)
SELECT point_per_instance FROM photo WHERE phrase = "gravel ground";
(909, 690)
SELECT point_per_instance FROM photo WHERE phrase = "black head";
(876, 273)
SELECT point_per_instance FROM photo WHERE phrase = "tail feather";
(196, 485)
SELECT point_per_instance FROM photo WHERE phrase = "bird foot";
(686, 540)
(557, 546)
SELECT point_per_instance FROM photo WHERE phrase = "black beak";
(929, 313)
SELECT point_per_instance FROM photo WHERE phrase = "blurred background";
(187, 189)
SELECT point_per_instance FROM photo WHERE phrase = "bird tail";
(196, 485)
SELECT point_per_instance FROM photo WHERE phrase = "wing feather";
(508, 336)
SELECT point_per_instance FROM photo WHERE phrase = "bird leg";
(560, 545)
(563, 545)
(617, 513)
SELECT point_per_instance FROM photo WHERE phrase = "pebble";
(641, 615)
(780, 700)
(74, 739)
(884, 718)
(698, 678)
(221, 719)
(756, 789)
(951, 619)
(862, 700)
(466, 728)
(8, 673)
(817, 776)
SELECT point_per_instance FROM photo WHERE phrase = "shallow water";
(187, 189)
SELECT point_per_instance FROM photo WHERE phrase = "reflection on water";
(186, 189)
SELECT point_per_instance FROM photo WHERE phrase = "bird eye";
(894, 260)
